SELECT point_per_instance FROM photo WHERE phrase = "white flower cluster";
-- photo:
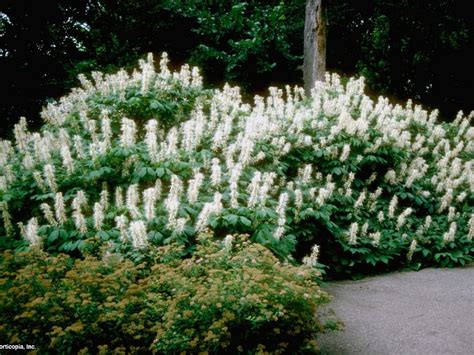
(450, 235)
(411, 249)
(77, 203)
(172, 201)
(353, 233)
(6, 218)
(403, 216)
(210, 208)
(312, 259)
(138, 234)
(281, 211)
(31, 233)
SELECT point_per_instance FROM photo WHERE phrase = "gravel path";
(426, 312)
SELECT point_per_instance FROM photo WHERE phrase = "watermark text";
(17, 347)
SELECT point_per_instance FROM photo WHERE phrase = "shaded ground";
(426, 312)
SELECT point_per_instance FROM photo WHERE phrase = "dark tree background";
(405, 49)
(36, 50)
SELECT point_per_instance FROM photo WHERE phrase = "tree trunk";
(314, 65)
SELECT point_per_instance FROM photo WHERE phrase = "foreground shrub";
(375, 185)
(228, 297)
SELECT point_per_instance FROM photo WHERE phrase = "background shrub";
(377, 186)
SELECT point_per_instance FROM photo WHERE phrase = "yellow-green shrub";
(224, 299)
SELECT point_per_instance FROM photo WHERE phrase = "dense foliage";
(418, 50)
(232, 298)
(404, 48)
(151, 157)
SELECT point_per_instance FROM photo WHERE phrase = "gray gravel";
(426, 312)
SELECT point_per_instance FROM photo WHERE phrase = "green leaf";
(155, 105)
(245, 221)
(53, 236)
(232, 219)
(155, 236)
(104, 235)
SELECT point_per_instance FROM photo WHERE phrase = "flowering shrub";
(151, 157)
(229, 298)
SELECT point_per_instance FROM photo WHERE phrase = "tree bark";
(314, 64)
